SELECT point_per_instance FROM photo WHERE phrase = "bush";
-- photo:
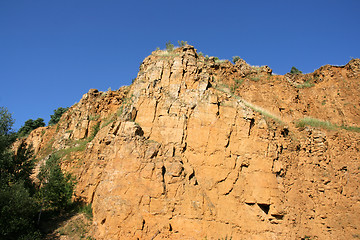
(55, 118)
(235, 59)
(294, 71)
(30, 125)
(169, 46)
(182, 43)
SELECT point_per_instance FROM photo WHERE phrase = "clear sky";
(54, 51)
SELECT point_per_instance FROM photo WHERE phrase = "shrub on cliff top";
(235, 59)
(169, 46)
(30, 125)
(55, 118)
(294, 71)
(182, 43)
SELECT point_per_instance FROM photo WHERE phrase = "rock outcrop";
(200, 148)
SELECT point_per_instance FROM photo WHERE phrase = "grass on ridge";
(314, 122)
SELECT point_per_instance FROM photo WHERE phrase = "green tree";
(17, 206)
(17, 211)
(22, 166)
(7, 137)
(294, 71)
(56, 186)
(30, 125)
(55, 118)
(6, 122)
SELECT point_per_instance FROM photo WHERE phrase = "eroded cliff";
(200, 148)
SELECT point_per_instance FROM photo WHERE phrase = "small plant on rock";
(235, 59)
(295, 71)
(169, 46)
(182, 43)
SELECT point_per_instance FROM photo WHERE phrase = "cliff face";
(197, 148)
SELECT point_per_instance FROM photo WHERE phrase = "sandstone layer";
(200, 148)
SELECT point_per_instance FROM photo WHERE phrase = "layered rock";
(186, 152)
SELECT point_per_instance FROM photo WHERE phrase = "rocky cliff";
(198, 148)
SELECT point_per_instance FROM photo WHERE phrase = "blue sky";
(52, 52)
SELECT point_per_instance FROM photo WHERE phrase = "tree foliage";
(55, 118)
(20, 200)
(6, 122)
(17, 211)
(7, 137)
(30, 125)
(56, 186)
(18, 208)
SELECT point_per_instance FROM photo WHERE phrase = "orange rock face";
(196, 148)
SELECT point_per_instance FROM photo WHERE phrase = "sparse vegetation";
(307, 84)
(314, 122)
(351, 128)
(182, 43)
(74, 146)
(262, 111)
(94, 117)
(217, 60)
(95, 129)
(237, 84)
(125, 105)
(255, 79)
(108, 121)
(226, 238)
(169, 46)
(221, 87)
(87, 210)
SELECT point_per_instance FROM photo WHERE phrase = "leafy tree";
(23, 164)
(294, 71)
(17, 211)
(55, 118)
(30, 125)
(6, 122)
(7, 137)
(56, 186)
(17, 207)
(169, 46)
(235, 59)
